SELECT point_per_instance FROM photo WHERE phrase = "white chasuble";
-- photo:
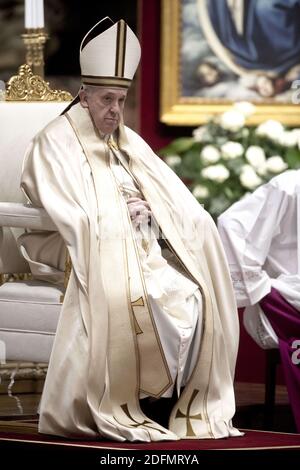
(110, 347)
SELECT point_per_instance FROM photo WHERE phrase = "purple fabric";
(285, 320)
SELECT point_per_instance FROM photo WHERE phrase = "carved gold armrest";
(12, 277)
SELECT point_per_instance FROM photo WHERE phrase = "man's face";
(106, 106)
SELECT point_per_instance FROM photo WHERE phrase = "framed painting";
(215, 52)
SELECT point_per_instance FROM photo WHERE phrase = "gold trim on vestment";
(120, 49)
(137, 303)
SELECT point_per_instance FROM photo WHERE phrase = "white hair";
(89, 88)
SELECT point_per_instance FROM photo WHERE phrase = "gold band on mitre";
(106, 81)
(120, 49)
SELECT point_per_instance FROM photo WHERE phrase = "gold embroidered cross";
(188, 416)
(137, 424)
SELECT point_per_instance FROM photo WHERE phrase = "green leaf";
(218, 205)
(182, 144)
(235, 165)
(292, 157)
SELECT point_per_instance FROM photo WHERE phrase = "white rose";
(173, 160)
(232, 120)
(271, 129)
(210, 154)
(244, 107)
(231, 150)
(262, 170)
(217, 173)
(255, 155)
(248, 177)
(296, 132)
(200, 191)
(200, 133)
(276, 164)
(288, 139)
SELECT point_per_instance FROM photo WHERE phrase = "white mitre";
(109, 54)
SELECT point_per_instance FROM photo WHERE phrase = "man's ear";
(83, 98)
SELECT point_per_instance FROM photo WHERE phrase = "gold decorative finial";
(34, 40)
(29, 87)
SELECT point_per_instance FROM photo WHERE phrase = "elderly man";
(149, 309)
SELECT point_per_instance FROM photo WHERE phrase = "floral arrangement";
(225, 159)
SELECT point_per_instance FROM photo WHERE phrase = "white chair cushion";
(29, 313)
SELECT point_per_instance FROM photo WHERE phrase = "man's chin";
(110, 126)
(108, 129)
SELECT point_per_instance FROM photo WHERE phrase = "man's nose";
(115, 107)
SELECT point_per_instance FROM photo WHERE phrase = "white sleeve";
(247, 229)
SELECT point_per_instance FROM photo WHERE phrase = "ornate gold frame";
(191, 111)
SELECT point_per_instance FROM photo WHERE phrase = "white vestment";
(261, 236)
(107, 353)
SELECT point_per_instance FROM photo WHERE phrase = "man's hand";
(139, 210)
